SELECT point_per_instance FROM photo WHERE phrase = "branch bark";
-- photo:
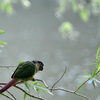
(51, 89)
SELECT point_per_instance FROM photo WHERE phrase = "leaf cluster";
(1, 42)
(37, 87)
(92, 77)
(85, 8)
(7, 5)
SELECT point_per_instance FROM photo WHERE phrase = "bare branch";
(28, 93)
(65, 90)
(7, 96)
(55, 89)
(9, 67)
(42, 82)
(8, 91)
(22, 91)
(81, 85)
(12, 95)
(52, 88)
(59, 78)
(85, 82)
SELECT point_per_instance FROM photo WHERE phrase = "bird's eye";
(40, 64)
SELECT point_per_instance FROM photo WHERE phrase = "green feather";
(24, 71)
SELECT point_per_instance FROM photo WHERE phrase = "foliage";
(2, 32)
(85, 8)
(67, 31)
(37, 87)
(92, 77)
(7, 5)
(1, 42)
(33, 84)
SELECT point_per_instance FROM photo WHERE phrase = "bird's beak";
(41, 68)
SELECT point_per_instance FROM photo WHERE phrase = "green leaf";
(90, 81)
(20, 83)
(94, 83)
(26, 3)
(74, 6)
(66, 26)
(35, 83)
(19, 61)
(97, 56)
(97, 80)
(27, 84)
(2, 43)
(99, 67)
(94, 73)
(44, 90)
(49, 92)
(98, 2)
(40, 85)
(84, 15)
(24, 96)
(9, 8)
(36, 89)
(93, 64)
(2, 32)
(91, 74)
(87, 76)
(1, 94)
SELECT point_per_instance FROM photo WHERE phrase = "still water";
(32, 33)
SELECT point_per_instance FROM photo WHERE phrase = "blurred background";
(59, 33)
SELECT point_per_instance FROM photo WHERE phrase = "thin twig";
(85, 82)
(59, 78)
(42, 82)
(81, 85)
(65, 90)
(23, 91)
(8, 91)
(3, 83)
(12, 95)
(7, 96)
(54, 89)
(9, 67)
(49, 89)
(28, 93)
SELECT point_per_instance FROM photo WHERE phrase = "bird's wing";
(21, 64)
(24, 71)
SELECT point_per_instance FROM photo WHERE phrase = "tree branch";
(85, 82)
(51, 89)
(81, 85)
(42, 82)
(22, 91)
(7, 96)
(12, 95)
(65, 90)
(59, 78)
(28, 93)
(9, 93)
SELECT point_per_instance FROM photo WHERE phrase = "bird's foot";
(33, 79)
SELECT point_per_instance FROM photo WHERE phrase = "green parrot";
(24, 72)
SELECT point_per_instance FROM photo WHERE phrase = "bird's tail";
(8, 85)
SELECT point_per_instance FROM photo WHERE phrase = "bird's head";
(38, 64)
